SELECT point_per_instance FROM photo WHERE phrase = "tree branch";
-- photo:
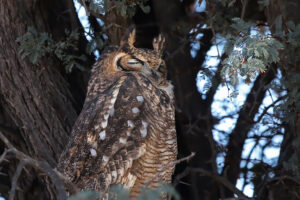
(268, 107)
(244, 125)
(2, 157)
(43, 166)
(218, 178)
(170, 164)
(15, 179)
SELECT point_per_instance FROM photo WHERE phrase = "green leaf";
(263, 2)
(151, 194)
(90, 47)
(34, 45)
(86, 195)
(291, 25)
(241, 26)
(118, 192)
(256, 53)
(265, 53)
(97, 6)
(234, 79)
(34, 57)
(234, 94)
(146, 9)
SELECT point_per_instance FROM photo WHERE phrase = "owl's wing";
(109, 134)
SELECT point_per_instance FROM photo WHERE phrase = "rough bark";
(37, 98)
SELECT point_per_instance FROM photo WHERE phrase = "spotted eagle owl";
(125, 133)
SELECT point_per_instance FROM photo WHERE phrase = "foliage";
(86, 195)
(292, 104)
(264, 3)
(150, 194)
(293, 35)
(35, 45)
(128, 8)
(62, 49)
(124, 7)
(94, 44)
(249, 53)
(228, 3)
(97, 6)
(118, 192)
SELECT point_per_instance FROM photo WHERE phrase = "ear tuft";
(159, 44)
(129, 37)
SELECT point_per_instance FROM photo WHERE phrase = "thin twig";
(187, 158)
(2, 157)
(15, 180)
(244, 3)
(268, 107)
(170, 164)
(217, 177)
(43, 166)
(215, 37)
(6, 141)
(277, 180)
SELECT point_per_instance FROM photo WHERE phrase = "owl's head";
(117, 61)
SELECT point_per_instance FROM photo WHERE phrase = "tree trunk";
(36, 99)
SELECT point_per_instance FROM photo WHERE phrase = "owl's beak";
(145, 69)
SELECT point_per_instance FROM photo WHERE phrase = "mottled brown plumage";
(126, 130)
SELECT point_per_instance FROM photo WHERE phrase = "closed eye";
(129, 63)
(134, 62)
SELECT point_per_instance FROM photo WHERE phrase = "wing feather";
(107, 137)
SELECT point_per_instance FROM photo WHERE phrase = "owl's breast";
(157, 164)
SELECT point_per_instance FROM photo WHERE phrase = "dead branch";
(218, 178)
(2, 157)
(43, 166)
(15, 180)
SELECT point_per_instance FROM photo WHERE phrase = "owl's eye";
(129, 64)
(134, 62)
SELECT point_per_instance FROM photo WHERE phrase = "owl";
(125, 133)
